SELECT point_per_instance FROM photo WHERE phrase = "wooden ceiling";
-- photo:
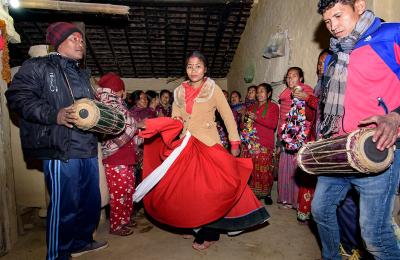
(152, 41)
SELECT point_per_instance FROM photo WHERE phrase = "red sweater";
(126, 155)
(266, 125)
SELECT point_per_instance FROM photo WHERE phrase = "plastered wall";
(300, 19)
(307, 37)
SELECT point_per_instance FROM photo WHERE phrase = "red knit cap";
(58, 32)
(112, 81)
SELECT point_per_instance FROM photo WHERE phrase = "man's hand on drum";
(66, 116)
(387, 127)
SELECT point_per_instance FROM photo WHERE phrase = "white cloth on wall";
(276, 69)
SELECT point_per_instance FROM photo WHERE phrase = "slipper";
(123, 232)
(302, 222)
(145, 229)
(285, 206)
(132, 223)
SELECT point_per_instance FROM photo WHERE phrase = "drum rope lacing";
(111, 119)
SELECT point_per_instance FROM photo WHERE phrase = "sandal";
(132, 223)
(124, 231)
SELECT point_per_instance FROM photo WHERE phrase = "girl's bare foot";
(203, 246)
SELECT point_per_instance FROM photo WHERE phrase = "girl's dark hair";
(165, 91)
(237, 92)
(327, 51)
(268, 89)
(198, 55)
(324, 51)
(324, 5)
(299, 71)
(252, 86)
(151, 94)
(135, 96)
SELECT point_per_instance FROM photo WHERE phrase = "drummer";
(364, 66)
(42, 93)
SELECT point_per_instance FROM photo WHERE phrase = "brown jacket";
(201, 123)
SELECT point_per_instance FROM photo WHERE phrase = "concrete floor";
(282, 238)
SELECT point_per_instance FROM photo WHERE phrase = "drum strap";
(69, 86)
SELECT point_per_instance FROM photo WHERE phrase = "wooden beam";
(205, 31)
(193, 1)
(186, 40)
(75, 7)
(130, 49)
(148, 39)
(42, 32)
(8, 207)
(92, 52)
(237, 22)
(112, 50)
(167, 24)
(24, 35)
(220, 32)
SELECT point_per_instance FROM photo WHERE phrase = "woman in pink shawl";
(291, 134)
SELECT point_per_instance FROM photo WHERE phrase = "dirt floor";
(281, 238)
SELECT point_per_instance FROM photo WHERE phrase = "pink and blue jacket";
(373, 71)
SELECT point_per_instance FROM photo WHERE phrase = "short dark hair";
(199, 55)
(151, 94)
(135, 96)
(252, 86)
(268, 89)
(237, 92)
(324, 51)
(165, 91)
(299, 71)
(324, 5)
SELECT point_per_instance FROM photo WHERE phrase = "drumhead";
(363, 154)
(87, 112)
(373, 153)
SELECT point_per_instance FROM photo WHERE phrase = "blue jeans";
(377, 194)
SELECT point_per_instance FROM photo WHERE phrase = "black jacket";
(38, 91)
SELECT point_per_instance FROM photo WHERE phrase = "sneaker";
(92, 247)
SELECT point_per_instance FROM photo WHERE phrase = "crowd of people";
(247, 139)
